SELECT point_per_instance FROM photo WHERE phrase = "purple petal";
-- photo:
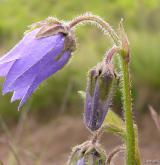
(4, 68)
(18, 94)
(32, 53)
(17, 51)
(92, 108)
(13, 54)
(98, 102)
(81, 162)
(49, 68)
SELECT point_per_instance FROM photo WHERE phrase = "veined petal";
(16, 51)
(94, 116)
(29, 75)
(45, 72)
(31, 57)
(88, 107)
(18, 94)
(13, 54)
(4, 68)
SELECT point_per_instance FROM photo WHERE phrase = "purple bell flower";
(99, 94)
(41, 53)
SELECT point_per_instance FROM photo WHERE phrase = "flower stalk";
(123, 61)
(90, 18)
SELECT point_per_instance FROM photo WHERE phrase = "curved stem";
(110, 53)
(114, 153)
(99, 21)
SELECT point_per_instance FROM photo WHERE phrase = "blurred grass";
(59, 93)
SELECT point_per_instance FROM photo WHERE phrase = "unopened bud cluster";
(88, 154)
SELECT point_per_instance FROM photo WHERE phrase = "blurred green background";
(58, 94)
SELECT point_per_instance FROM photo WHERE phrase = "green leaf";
(114, 124)
(113, 119)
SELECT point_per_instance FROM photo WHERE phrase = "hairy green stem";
(127, 106)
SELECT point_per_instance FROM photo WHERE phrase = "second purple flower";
(99, 94)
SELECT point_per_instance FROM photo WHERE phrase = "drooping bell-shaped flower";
(99, 94)
(44, 50)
